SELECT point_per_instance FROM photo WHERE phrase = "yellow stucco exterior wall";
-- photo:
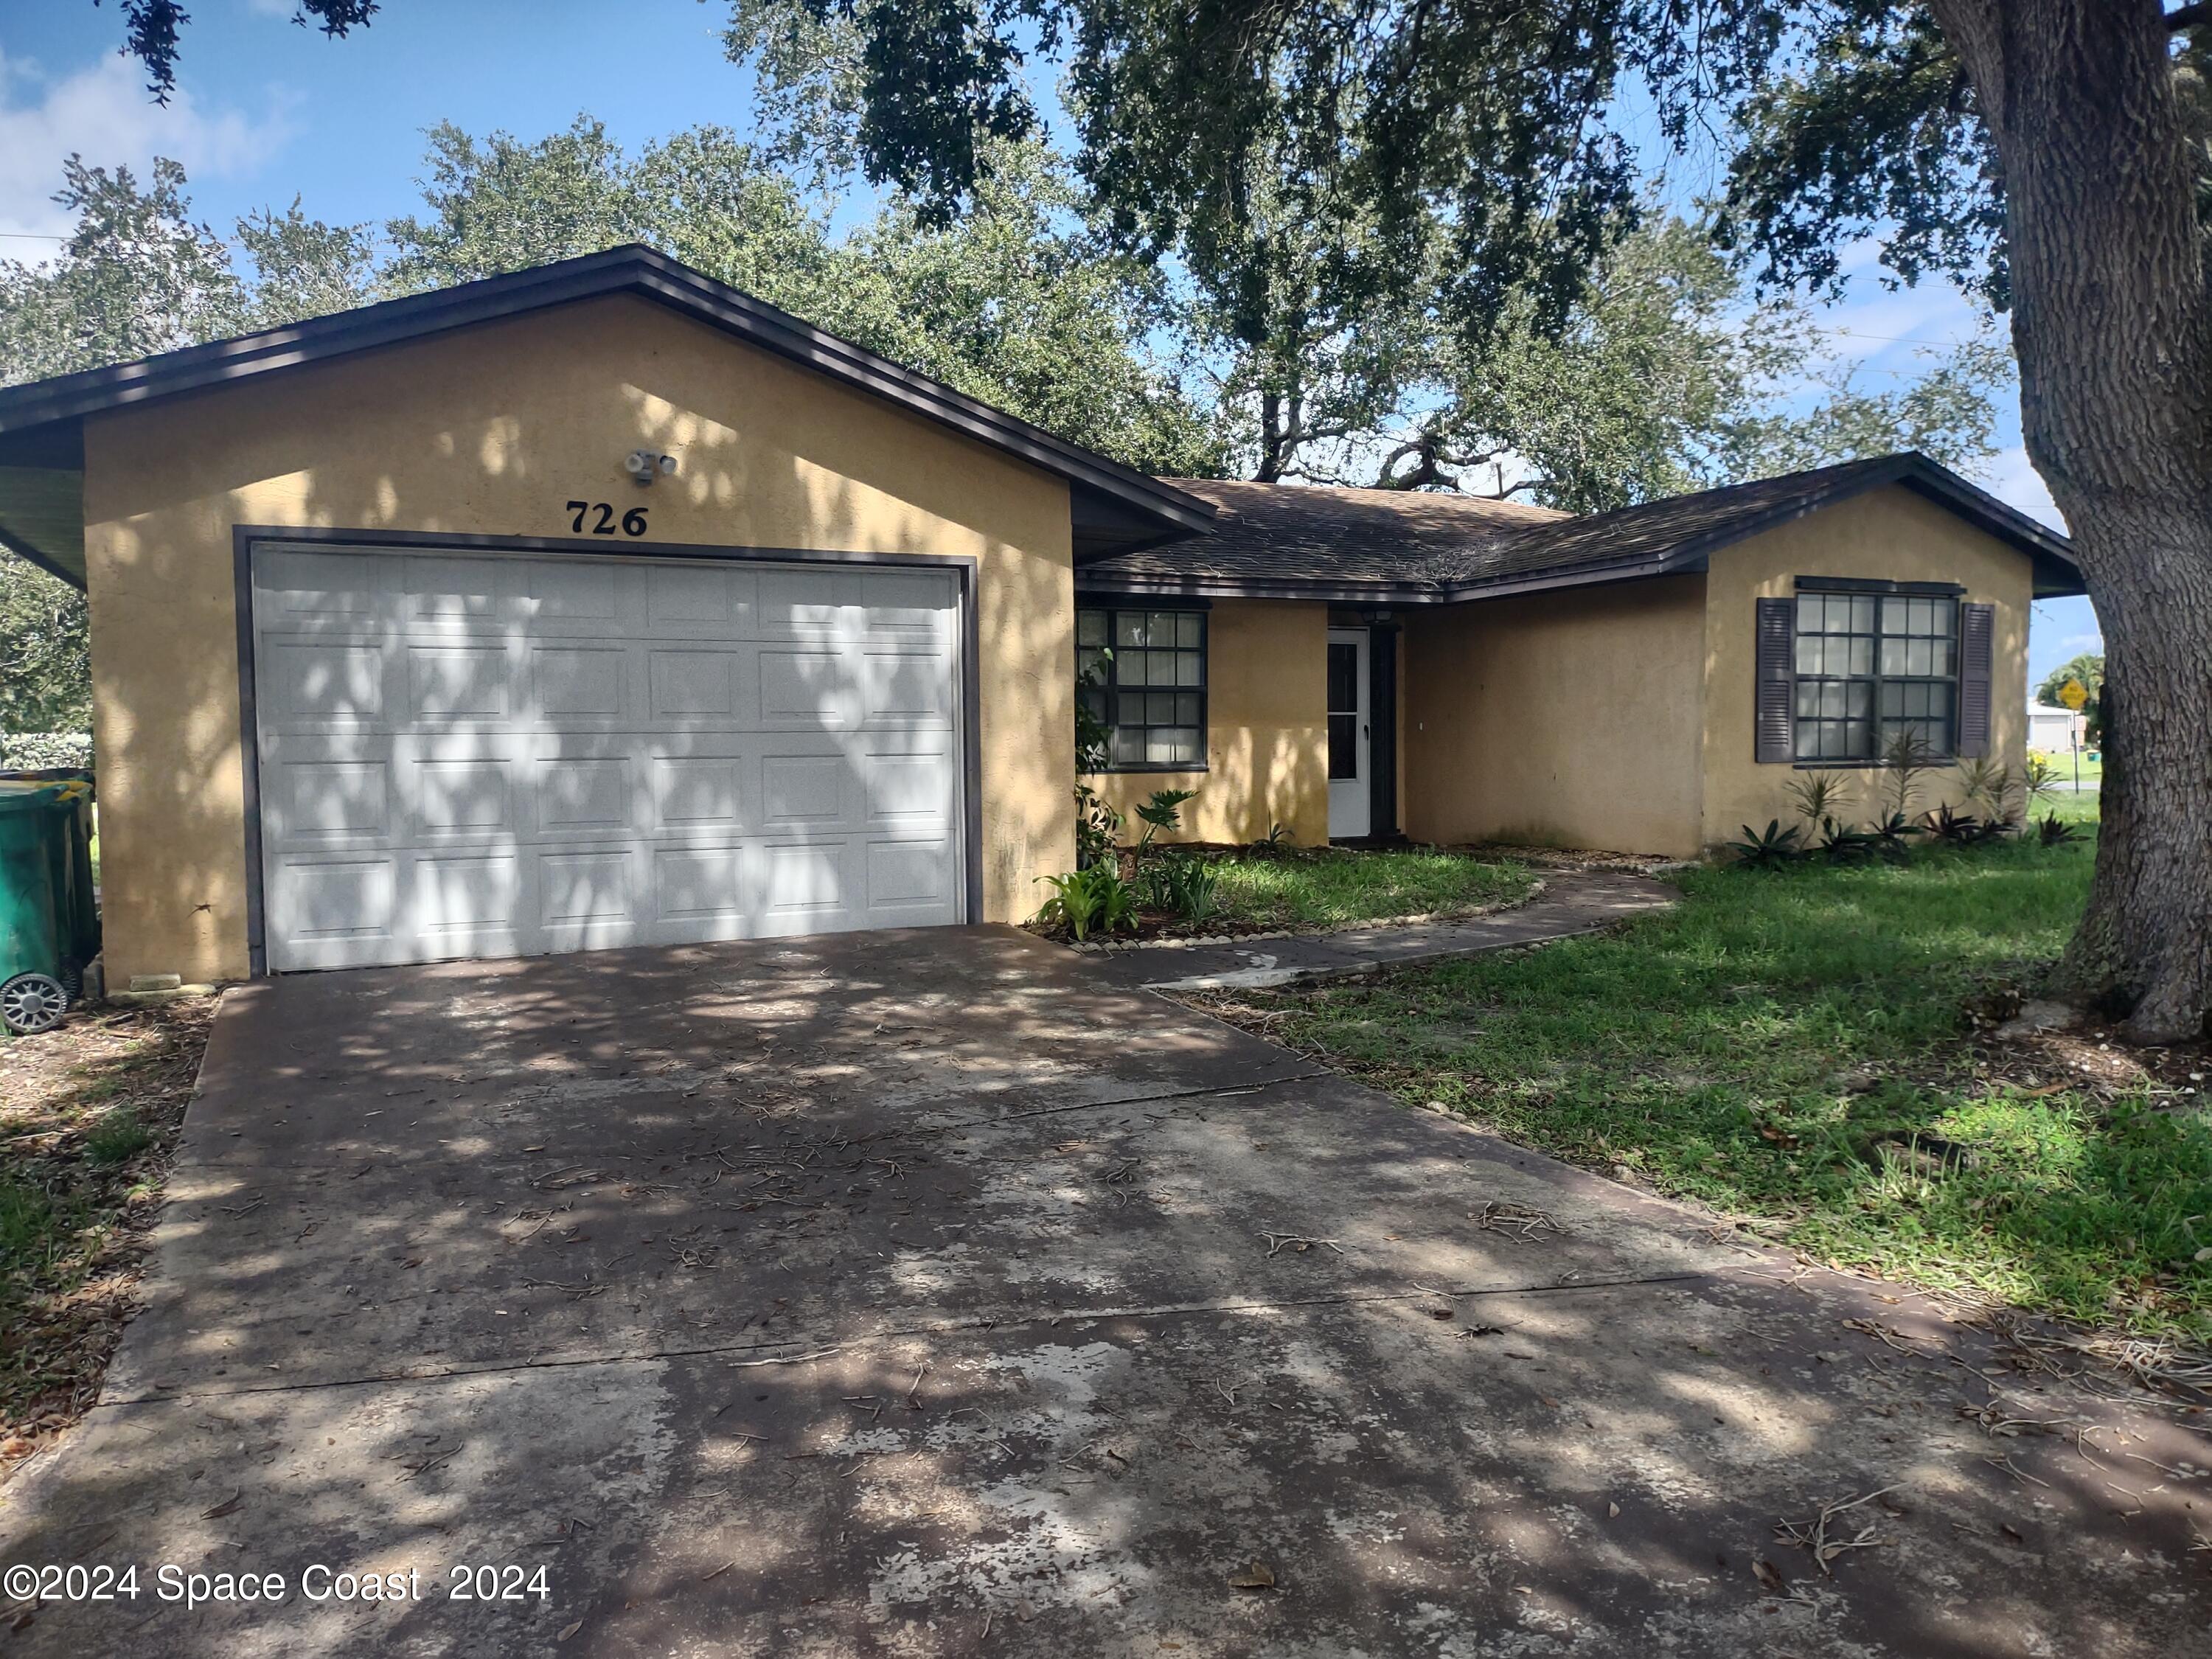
(489, 432)
(1889, 534)
(1569, 718)
(1266, 735)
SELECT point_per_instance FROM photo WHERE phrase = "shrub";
(1162, 811)
(1097, 828)
(1183, 883)
(1768, 850)
(40, 751)
(1095, 897)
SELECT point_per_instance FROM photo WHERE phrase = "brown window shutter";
(1775, 711)
(1977, 627)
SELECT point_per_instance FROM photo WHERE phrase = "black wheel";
(31, 1002)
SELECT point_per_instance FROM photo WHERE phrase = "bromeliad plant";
(1091, 899)
(1773, 848)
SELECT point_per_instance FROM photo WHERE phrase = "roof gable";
(1116, 507)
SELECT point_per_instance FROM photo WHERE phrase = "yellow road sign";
(2073, 693)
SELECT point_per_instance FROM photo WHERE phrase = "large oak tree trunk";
(2113, 329)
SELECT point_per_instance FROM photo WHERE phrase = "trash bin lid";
(24, 795)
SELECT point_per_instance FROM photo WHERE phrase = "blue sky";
(266, 111)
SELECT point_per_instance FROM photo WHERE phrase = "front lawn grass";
(1797, 1047)
(1333, 887)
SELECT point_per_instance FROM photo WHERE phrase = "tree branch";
(2188, 17)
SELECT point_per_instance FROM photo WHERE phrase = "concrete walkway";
(1573, 902)
(921, 1294)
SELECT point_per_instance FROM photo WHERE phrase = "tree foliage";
(152, 32)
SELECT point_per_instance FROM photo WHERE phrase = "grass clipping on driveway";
(88, 1118)
(1802, 1047)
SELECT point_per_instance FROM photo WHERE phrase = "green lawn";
(1791, 1046)
(1324, 887)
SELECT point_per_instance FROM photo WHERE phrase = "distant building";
(2056, 731)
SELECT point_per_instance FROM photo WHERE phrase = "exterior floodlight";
(642, 465)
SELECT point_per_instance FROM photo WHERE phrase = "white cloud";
(2013, 479)
(103, 112)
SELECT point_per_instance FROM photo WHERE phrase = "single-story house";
(600, 603)
(2056, 731)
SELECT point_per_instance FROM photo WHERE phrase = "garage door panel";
(823, 688)
(702, 599)
(455, 594)
(909, 876)
(586, 795)
(496, 755)
(466, 797)
(340, 908)
(803, 791)
(461, 682)
(589, 892)
(805, 887)
(683, 685)
(454, 894)
(907, 688)
(694, 793)
(581, 683)
(701, 884)
(321, 683)
(332, 800)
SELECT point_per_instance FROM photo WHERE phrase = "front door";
(1350, 800)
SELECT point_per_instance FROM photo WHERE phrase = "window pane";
(1892, 655)
(1166, 666)
(1863, 613)
(1892, 699)
(1941, 657)
(1183, 746)
(1343, 746)
(1839, 656)
(1809, 700)
(1187, 629)
(1944, 617)
(1090, 628)
(1128, 745)
(1858, 738)
(1839, 615)
(1343, 678)
(1895, 613)
(1920, 657)
(1923, 616)
(1861, 700)
(1186, 709)
(1808, 613)
(1832, 701)
(1189, 670)
(1861, 656)
(1808, 655)
(1129, 628)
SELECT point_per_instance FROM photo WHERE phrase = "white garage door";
(505, 755)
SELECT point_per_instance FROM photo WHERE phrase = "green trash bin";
(49, 919)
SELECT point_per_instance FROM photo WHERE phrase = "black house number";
(602, 517)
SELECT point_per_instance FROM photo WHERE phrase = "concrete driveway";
(922, 1294)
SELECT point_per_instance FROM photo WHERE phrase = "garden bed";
(1317, 890)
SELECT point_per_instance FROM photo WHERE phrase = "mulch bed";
(75, 1237)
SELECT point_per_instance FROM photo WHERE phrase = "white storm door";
(511, 754)
(1351, 796)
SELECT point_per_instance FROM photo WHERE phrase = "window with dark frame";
(1872, 665)
(1142, 673)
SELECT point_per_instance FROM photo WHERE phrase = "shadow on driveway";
(922, 1293)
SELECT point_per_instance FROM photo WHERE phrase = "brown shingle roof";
(1291, 540)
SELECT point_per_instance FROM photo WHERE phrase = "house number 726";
(602, 515)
